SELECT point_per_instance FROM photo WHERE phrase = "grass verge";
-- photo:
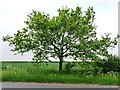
(26, 72)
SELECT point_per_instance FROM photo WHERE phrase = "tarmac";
(51, 85)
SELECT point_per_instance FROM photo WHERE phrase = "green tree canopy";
(70, 34)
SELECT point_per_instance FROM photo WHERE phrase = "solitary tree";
(71, 34)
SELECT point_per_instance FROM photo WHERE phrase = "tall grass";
(26, 72)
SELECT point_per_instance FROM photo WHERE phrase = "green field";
(27, 72)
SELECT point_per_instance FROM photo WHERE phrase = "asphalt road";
(51, 85)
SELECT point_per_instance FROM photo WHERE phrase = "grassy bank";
(27, 72)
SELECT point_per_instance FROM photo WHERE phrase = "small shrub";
(86, 68)
(111, 64)
(69, 66)
(6, 67)
(3, 67)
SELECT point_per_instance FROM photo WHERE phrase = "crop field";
(48, 73)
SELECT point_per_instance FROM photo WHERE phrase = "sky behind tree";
(13, 13)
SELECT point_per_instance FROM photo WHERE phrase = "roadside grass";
(27, 72)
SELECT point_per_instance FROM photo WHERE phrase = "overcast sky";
(14, 12)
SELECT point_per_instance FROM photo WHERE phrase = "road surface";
(51, 85)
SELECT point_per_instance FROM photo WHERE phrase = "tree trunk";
(60, 64)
